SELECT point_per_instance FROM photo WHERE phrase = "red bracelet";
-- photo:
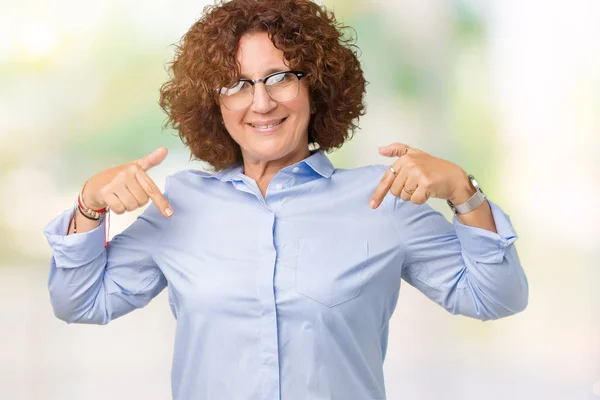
(106, 228)
(92, 214)
(88, 212)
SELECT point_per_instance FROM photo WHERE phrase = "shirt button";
(296, 169)
(278, 186)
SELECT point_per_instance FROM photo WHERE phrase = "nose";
(262, 103)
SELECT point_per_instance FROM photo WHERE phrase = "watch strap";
(471, 204)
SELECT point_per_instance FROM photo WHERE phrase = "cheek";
(231, 119)
(227, 115)
(302, 106)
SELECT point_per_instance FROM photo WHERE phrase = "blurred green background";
(509, 90)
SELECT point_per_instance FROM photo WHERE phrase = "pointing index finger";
(384, 186)
(159, 200)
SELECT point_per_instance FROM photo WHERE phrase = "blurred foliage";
(472, 124)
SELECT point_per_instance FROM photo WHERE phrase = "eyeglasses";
(281, 87)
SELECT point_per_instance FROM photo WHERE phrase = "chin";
(270, 153)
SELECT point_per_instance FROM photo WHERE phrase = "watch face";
(476, 184)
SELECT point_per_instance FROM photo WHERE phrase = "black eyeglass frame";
(299, 75)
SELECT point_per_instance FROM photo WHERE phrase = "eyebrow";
(268, 72)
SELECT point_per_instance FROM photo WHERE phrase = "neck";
(264, 171)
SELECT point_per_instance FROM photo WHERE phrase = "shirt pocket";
(330, 271)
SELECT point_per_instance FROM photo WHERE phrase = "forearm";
(87, 294)
(494, 290)
(83, 224)
(79, 294)
(467, 270)
(89, 283)
(76, 287)
(481, 217)
(465, 286)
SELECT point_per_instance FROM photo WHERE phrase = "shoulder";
(185, 175)
(185, 180)
(365, 178)
(367, 172)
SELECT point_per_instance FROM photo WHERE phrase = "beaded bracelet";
(94, 215)
(88, 212)
(106, 226)
(100, 218)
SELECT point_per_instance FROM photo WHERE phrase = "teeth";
(267, 126)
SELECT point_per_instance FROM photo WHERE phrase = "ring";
(408, 191)
(393, 171)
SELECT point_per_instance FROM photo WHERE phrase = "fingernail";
(372, 204)
(168, 211)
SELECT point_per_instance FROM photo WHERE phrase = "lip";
(267, 122)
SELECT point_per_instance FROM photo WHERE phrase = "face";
(267, 130)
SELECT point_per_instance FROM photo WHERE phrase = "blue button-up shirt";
(286, 296)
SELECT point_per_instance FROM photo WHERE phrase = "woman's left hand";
(416, 176)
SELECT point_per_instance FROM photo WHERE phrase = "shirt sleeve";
(467, 270)
(92, 284)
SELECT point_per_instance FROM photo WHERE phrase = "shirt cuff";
(485, 246)
(70, 251)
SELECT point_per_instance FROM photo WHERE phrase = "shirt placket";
(265, 274)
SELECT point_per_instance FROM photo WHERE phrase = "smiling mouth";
(268, 126)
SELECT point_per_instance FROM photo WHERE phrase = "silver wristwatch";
(471, 204)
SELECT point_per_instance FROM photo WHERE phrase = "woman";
(283, 271)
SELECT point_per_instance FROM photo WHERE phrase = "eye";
(279, 78)
(235, 88)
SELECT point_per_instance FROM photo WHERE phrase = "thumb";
(152, 159)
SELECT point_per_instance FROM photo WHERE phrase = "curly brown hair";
(311, 40)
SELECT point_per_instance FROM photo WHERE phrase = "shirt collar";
(320, 164)
(228, 174)
(317, 162)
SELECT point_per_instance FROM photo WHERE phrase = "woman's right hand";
(127, 187)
